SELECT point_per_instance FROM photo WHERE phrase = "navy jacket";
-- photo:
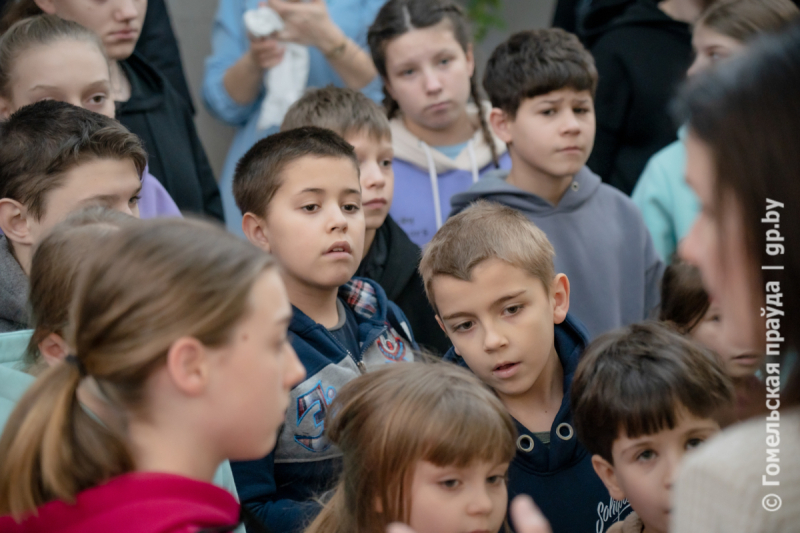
(280, 487)
(560, 477)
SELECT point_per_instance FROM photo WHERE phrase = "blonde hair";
(156, 281)
(39, 30)
(486, 230)
(745, 19)
(386, 421)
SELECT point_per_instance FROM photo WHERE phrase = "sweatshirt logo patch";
(391, 346)
(306, 404)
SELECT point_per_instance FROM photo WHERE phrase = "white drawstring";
(434, 184)
(473, 161)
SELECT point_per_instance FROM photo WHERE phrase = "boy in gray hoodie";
(541, 84)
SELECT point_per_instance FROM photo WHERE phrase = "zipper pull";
(361, 366)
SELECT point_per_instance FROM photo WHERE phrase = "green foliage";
(485, 15)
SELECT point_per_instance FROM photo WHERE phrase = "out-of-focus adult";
(233, 86)
(743, 163)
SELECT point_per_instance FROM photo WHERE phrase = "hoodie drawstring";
(472, 160)
(437, 208)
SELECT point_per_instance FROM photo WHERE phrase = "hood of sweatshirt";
(494, 187)
(13, 291)
(138, 502)
(611, 14)
(476, 155)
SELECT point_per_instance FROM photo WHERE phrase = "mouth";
(572, 150)
(505, 370)
(125, 35)
(341, 247)
(377, 203)
(747, 359)
(438, 106)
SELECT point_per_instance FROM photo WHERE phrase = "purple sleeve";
(155, 201)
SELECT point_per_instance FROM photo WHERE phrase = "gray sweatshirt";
(13, 291)
(601, 244)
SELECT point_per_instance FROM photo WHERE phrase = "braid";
(487, 134)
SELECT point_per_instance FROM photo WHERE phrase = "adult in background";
(233, 86)
(743, 163)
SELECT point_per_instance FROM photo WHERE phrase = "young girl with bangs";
(177, 334)
(442, 142)
(427, 445)
(45, 57)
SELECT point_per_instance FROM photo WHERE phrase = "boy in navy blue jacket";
(301, 198)
(490, 277)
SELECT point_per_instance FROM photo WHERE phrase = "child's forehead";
(365, 139)
(485, 279)
(323, 173)
(568, 94)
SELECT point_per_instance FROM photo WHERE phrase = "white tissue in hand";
(286, 81)
(262, 22)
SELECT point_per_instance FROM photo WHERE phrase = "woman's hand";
(265, 52)
(307, 23)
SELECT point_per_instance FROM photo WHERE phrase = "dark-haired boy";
(541, 84)
(56, 158)
(300, 194)
(643, 396)
(390, 257)
(489, 274)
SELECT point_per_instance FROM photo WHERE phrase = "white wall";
(192, 20)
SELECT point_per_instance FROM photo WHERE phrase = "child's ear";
(5, 108)
(559, 292)
(14, 221)
(605, 471)
(187, 365)
(470, 60)
(53, 349)
(500, 122)
(255, 229)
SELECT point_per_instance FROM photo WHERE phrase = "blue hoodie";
(601, 244)
(559, 476)
(279, 488)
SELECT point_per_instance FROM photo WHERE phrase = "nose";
(480, 502)
(493, 339)
(127, 10)
(336, 218)
(432, 82)
(571, 123)
(371, 176)
(295, 371)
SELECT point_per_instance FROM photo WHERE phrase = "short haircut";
(684, 300)
(258, 172)
(345, 111)
(486, 230)
(535, 62)
(41, 142)
(55, 265)
(633, 380)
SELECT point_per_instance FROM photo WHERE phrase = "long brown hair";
(156, 281)
(55, 265)
(748, 114)
(397, 17)
(386, 421)
(745, 19)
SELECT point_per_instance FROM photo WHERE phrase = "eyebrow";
(500, 300)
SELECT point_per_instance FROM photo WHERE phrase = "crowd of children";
(438, 310)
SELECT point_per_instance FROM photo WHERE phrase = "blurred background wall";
(192, 21)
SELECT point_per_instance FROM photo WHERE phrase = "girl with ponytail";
(442, 142)
(177, 334)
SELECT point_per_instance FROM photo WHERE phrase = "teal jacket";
(14, 382)
(668, 204)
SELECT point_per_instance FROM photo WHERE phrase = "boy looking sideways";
(643, 396)
(300, 194)
(489, 275)
(56, 158)
(541, 84)
(390, 258)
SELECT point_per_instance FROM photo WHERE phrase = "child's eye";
(464, 326)
(386, 163)
(646, 455)
(310, 208)
(496, 480)
(134, 200)
(581, 110)
(694, 443)
(450, 483)
(513, 309)
(351, 208)
(98, 99)
(549, 112)
(444, 61)
(407, 72)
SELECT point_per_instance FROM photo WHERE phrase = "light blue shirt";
(229, 42)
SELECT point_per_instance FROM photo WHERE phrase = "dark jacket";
(279, 488)
(641, 56)
(392, 261)
(559, 476)
(161, 117)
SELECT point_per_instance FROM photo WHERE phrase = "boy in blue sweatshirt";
(541, 84)
(490, 277)
(643, 396)
(300, 194)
